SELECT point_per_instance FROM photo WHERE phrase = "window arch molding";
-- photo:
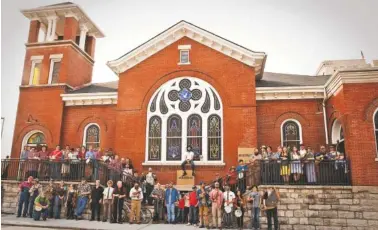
(337, 131)
(85, 134)
(28, 135)
(375, 128)
(298, 125)
(185, 97)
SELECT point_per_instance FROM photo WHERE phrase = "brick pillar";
(71, 26)
(35, 25)
(90, 46)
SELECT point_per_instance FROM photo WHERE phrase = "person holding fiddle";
(239, 205)
(119, 195)
(203, 198)
(158, 195)
(136, 196)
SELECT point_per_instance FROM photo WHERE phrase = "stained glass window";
(92, 136)
(194, 133)
(214, 134)
(376, 128)
(36, 139)
(290, 134)
(154, 139)
(174, 138)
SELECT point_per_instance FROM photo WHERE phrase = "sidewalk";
(12, 220)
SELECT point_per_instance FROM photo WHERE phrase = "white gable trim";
(178, 31)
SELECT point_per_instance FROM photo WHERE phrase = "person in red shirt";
(23, 203)
(181, 206)
(82, 152)
(55, 158)
(232, 179)
(193, 203)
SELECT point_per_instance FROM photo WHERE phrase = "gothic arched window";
(188, 111)
(194, 133)
(291, 133)
(214, 138)
(174, 138)
(154, 139)
(375, 119)
(92, 136)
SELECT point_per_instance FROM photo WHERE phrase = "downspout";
(325, 115)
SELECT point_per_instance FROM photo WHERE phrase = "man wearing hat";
(171, 197)
(23, 203)
(34, 191)
(216, 197)
(203, 198)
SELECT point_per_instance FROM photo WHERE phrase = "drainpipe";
(325, 115)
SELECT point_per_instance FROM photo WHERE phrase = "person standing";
(193, 202)
(34, 191)
(107, 200)
(255, 197)
(84, 190)
(58, 200)
(158, 196)
(70, 202)
(44, 156)
(50, 194)
(66, 162)
(270, 200)
(229, 199)
(216, 196)
(115, 168)
(285, 164)
(96, 199)
(136, 196)
(239, 205)
(232, 179)
(203, 199)
(150, 179)
(241, 171)
(90, 158)
(171, 197)
(55, 160)
(308, 160)
(188, 159)
(219, 180)
(296, 165)
(33, 163)
(254, 166)
(41, 205)
(119, 195)
(23, 203)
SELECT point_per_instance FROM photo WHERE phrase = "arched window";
(194, 133)
(291, 133)
(214, 136)
(375, 119)
(337, 132)
(184, 108)
(34, 138)
(92, 135)
(174, 138)
(154, 139)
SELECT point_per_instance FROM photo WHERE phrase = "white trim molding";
(185, 29)
(85, 133)
(28, 135)
(336, 131)
(375, 128)
(289, 93)
(80, 99)
(299, 127)
(56, 56)
(36, 58)
(184, 47)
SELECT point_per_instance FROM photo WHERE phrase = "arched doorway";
(338, 136)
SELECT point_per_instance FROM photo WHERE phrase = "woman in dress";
(310, 166)
(239, 205)
(296, 165)
(66, 163)
(285, 165)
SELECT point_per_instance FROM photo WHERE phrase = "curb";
(44, 226)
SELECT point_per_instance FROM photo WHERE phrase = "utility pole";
(2, 125)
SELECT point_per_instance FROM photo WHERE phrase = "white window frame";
(300, 130)
(375, 130)
(34, 60)
(28, 135)
(52, 63)
(85, 134)
(184, 48)
(184, 118)
(335, 131)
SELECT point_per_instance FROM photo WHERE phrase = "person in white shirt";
(150, 179)
(108, 200)
(188, 159)
(228, 198)
(136, 196)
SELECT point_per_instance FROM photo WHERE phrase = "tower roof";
(65, 9)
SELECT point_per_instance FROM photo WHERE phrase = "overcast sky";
(296, 34)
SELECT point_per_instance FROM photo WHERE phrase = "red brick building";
(187, 86)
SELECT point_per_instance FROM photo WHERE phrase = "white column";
(48, 31)
(83, 34)
(53, 30)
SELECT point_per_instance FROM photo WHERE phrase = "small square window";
(184, 57)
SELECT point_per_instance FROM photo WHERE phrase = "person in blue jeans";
(255, 198)
(23, 203)
(90, 157)
(58, 200)
(171, 197)
(41, 205)
(84, 190)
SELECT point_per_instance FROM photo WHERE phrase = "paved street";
(21, 223)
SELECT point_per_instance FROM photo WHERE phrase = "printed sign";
(186, 180)
(245, 154)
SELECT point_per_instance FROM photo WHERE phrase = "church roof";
(269, 80)
(186, 29)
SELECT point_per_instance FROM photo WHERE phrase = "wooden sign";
(186, 180)
(245, 154)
